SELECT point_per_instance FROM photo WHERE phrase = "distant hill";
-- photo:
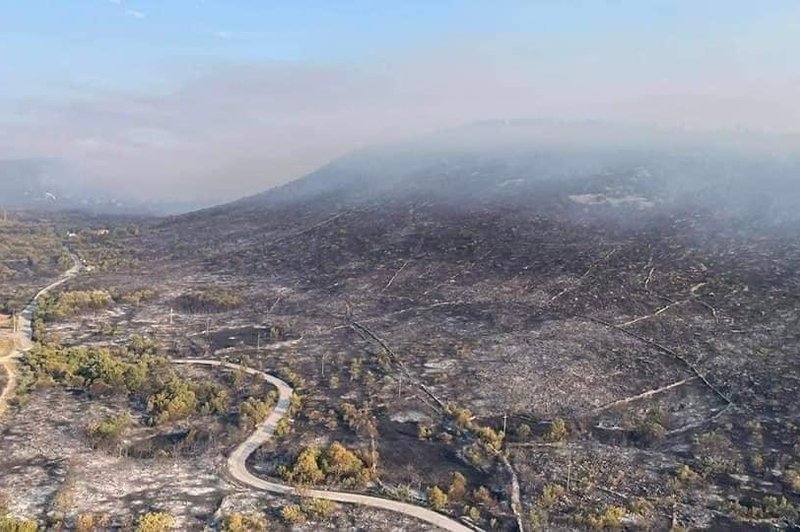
(28, 183)
(45, 184)
(512, 162)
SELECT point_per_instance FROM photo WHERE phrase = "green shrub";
(155, 522)
(437, 499)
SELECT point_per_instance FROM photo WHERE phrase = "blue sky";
(49, 46)
(129, 87)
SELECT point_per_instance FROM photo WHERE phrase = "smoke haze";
(217, 130)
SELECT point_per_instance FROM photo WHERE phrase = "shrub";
(209, 300)
(339, 463)
(292, 514)
(524, 431)
(175, 400)
(791, 478)
(458, 487)
(317, 509)
(685, 474)
(551, 494)
(482, 495)
(306, 470)
(90, 522)
(155, 522)
(252, 412)
(424, 432)
(283, 427)
(437, 499)
(10, 524)
(611, 517)
(557, 431)
(237, 522)
(110, 429)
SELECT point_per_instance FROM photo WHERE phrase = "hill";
(617, 313)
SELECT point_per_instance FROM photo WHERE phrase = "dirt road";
(23, 339)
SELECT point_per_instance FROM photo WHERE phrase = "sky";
(209, 100)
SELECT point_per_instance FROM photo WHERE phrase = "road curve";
(23, 342)
(237, 461)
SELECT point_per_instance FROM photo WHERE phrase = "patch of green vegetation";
(335, 463)
(155, 522)
(175, 400)
(768, 507)
(11, 524)
(110, 429)
(557, 431)
(209, 300)
(52, 307)
(238, 522)
(253, 412)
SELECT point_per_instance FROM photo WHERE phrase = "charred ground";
(626, 336)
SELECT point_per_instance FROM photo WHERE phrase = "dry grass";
(6, 346)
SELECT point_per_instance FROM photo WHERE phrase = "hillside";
(635, 292)
(611, 326)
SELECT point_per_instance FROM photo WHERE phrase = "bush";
(551, 494)
(611, 517)
(306, 470)
(237, 522)
(482, 495)
(155, 522)
(209, 300)
(791, 477)
(109, 430)
(91, 522)
(253, 412)
(334, 464)
(651, 429)
(557, 431)
(437, 499)
(292, 514)
(458, 487)
(175, 400)
(283, 427)
(317, 509)
(685, 474)
(490, 436)
(10, 524)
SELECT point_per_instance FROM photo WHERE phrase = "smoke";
(232, 130)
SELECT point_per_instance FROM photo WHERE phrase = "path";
(23, 340)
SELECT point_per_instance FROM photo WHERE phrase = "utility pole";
(569, 470)
(258, 342)
(171, 313)
(208, 326)
(505, 422)
(400, 387)
(323, 364)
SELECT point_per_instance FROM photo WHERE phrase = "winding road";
(237, 461)
(23, 339)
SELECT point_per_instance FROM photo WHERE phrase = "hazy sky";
(212, 99)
